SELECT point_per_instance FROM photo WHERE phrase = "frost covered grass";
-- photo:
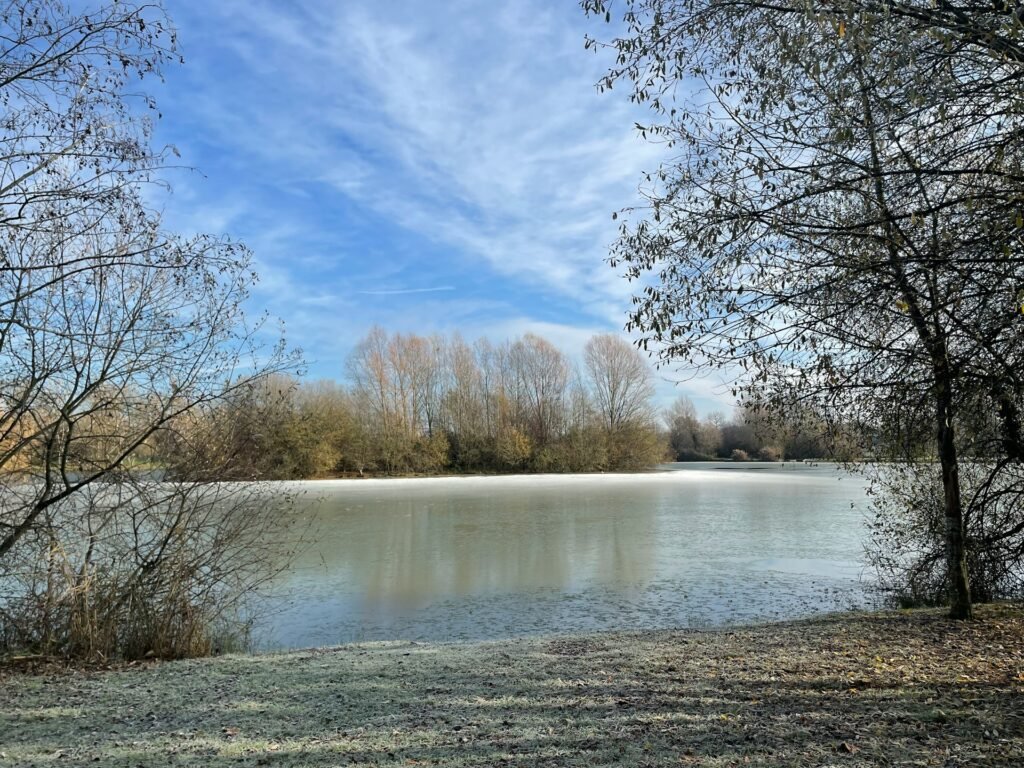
(854, 690)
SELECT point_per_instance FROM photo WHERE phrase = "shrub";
(907, 532)
(133, 569)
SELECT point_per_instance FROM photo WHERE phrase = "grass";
(899, 689)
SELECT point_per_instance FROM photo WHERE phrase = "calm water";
(495, 557)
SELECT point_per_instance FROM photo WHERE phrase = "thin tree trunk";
(958, 582)
(933, 339)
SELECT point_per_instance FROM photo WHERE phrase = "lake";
(472, 558)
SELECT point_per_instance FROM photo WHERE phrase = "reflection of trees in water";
(418, 550)
(452, 559)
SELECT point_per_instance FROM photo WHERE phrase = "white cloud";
(476, 126)
(403, 291)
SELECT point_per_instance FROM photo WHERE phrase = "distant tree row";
(428, 404)
(752, 435)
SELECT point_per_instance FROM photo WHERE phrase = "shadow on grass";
(866, 690)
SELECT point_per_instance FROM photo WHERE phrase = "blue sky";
(421, 166)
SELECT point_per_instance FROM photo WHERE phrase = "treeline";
(433, 404)
(753, 434)
(415, 404)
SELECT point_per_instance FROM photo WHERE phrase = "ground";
(894, 689)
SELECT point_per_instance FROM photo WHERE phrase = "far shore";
(890, 688)
(544, 478)
(655, 471)
(644, 470)
(156, 471)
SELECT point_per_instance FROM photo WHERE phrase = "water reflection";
(492, 557)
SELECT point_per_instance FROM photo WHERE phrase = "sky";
(420, 166)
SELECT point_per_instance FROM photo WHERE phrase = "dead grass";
(895, 689)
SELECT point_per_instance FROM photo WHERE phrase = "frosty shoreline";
(790, 473)
(854, 690)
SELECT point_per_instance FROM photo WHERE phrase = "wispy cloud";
(370, 150)
(402, 291)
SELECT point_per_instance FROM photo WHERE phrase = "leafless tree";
(620, 381)
(541, 377)
(111, 328)
(432, 403)
(841, 218)
(689, 437)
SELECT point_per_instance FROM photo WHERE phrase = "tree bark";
(958, 582)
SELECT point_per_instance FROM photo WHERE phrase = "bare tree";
(540, 380)
(464, 404)
(842, 219)
(620, 381)
(689, 437)
(431, 403)
(111, 328)
(376, 393)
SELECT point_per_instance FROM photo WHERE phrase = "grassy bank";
(908, 689)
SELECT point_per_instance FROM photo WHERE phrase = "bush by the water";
(135, 569)
(907, 544)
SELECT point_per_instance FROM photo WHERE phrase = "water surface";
(473, 558)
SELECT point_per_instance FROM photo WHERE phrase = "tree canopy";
(112, 328)
(839, 218)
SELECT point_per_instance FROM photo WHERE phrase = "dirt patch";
(893, 689)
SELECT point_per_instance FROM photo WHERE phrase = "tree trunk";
(958, 582)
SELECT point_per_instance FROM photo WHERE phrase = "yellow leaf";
(842, 29)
